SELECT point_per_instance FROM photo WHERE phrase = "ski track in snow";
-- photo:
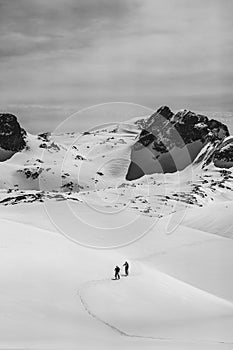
(81, 295)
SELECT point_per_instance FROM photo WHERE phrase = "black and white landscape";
(82, 192)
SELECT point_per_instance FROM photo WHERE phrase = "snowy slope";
(55, 293)
(70, 162)
(68, 216)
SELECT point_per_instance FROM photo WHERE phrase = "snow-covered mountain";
(171, 141)
(184, 147)
(156, 191)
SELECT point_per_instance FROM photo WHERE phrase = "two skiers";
(117, 270)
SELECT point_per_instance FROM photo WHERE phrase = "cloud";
(73, 54)
(28, 27)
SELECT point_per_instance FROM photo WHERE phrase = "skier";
(117, 273)
(126, 265)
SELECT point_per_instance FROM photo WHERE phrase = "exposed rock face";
(222, 156)
(166, 129)
(12, 136)
(170, 138)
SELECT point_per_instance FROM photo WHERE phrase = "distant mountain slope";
(97, 165)
(69, 162)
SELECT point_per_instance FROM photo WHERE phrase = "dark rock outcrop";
(163, 133)
(12, 136)
(165, 127)
(222, 157)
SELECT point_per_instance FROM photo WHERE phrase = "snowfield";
(56, 294)
(68, 216)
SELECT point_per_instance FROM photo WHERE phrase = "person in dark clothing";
(117, 273)
(126, 265)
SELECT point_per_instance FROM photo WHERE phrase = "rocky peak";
(157, 119)
(12, 136)
(179, 129)
(163, 113)
(171, 141)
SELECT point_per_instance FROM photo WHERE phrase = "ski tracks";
(81, 295)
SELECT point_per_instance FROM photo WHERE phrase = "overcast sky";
(57, 56)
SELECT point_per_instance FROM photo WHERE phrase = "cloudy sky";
(58, 56)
